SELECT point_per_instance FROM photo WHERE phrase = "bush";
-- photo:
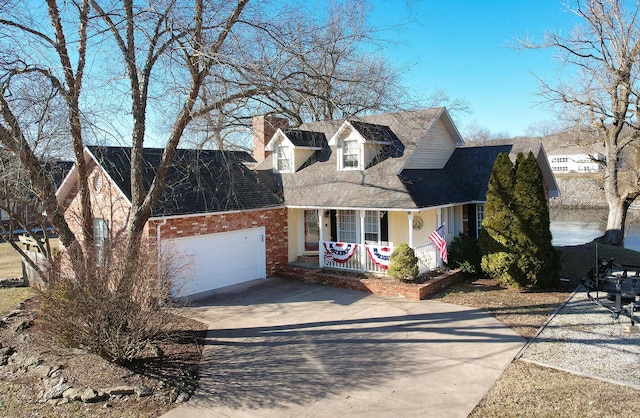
(107, 311)
(403, 263)
(515, 239)
(464, 254)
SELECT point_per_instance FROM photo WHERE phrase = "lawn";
(10, 265)
(525, 389)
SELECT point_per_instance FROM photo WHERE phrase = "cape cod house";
(343, 192)
(356, 188)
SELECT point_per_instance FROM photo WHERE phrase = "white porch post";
(320, 238)
(363, 254)
(410, 229)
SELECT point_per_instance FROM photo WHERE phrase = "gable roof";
(386, 183)
(198, 181)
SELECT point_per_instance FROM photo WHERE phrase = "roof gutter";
(164, 218)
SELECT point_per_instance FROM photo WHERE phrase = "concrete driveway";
(278, 348)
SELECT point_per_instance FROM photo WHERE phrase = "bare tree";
(601, 92)
(171, 63)
(307, 66)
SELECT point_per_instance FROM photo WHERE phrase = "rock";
(56, 391)
(42, 371)
(90, 396)
(18, 361)
(182, 397)
(143, 391)
(55, 371)
(23, 325)
(120, 390)
(72, 394)
(5, 353)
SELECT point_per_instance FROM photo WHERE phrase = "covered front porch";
(362, 240)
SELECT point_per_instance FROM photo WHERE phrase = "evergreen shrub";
(464, 254)
(403, 263)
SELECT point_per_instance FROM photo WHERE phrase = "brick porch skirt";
(379, 286)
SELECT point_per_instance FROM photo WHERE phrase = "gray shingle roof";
(464, 178)
(307, 139)
(384, 184)
(199, 181)
(373, 132)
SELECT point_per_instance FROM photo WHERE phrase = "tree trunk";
(614, 234)
(617, 202)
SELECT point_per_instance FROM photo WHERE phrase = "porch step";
(309, 259)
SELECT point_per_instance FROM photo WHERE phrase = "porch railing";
(427, 257)
(357, 257)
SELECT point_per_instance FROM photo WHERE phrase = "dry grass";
(175, 370)
(11, 297)
(525, 389)
(10, 264)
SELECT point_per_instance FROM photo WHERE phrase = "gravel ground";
(583, 338)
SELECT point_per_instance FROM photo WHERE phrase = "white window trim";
(356, 225)
(376, 216)
(288, 157)
(480, 210)
(359, 154)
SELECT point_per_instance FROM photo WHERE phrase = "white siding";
(434, 150)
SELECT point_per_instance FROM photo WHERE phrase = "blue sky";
(462, 47)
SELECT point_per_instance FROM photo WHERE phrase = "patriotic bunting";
(380, 255)
(339, 251)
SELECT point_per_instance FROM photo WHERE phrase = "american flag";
(440, 241)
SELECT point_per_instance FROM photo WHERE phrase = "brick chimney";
(264, 127)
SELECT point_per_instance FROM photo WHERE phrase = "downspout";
(160, 225)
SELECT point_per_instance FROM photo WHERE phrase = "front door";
(311, 232)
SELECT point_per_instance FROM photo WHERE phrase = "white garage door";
(219, 260)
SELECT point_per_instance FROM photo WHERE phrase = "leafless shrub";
(105, 310)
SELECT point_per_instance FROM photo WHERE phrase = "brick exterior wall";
(378, 286)
(107, 202)
(273, 220)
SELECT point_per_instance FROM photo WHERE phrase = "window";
(347, 226)
(100, 236)
(350, 151)
(282, 159)
(372, 226)
(479, 218)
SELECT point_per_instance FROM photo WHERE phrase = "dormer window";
(291, 148)
(350, 153)
(283, 159)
